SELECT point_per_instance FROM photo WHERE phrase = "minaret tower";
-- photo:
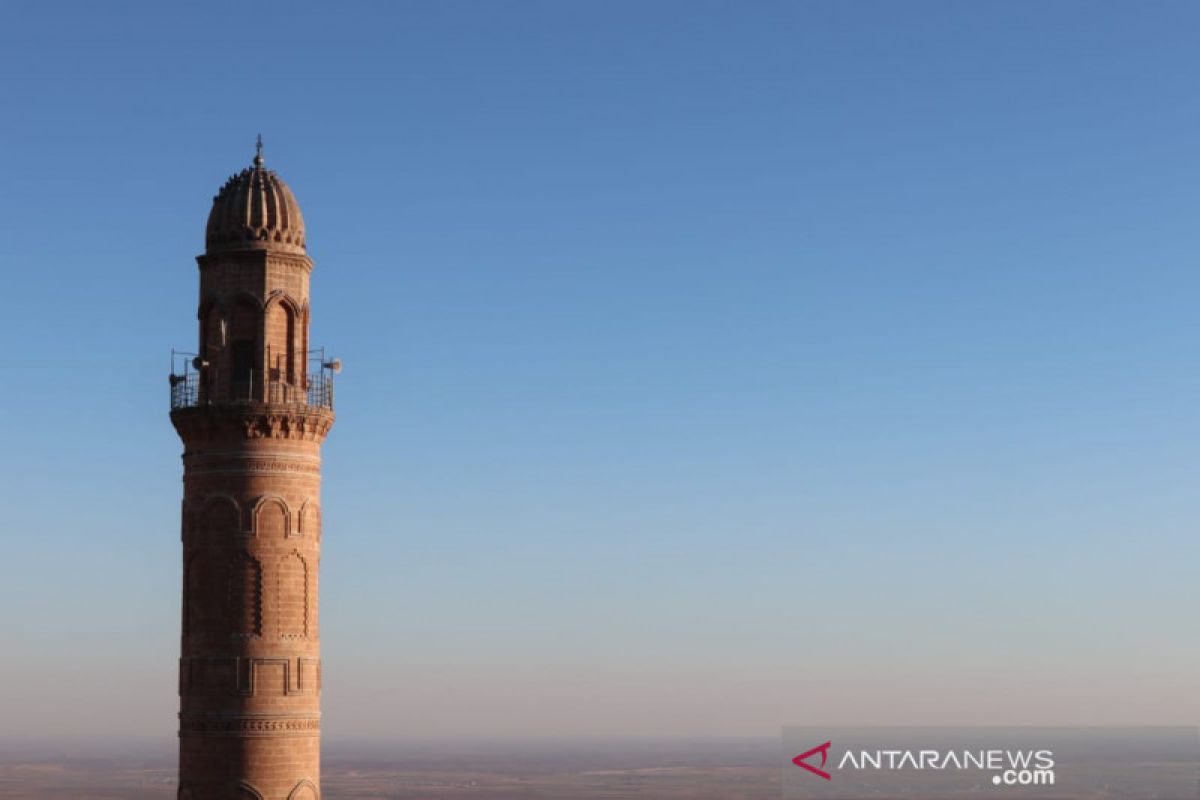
(252, 418)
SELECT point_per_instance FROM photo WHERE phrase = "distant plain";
(610, 769)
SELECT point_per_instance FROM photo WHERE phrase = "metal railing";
(319, 392)
(186, 391)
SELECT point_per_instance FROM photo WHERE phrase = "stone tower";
(252, 418)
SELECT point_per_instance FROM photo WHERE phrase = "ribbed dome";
(255, 210)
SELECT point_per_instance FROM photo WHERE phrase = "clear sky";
(710, 367)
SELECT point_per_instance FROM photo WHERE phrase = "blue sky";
(710, 367)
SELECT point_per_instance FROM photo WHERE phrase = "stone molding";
(205, 725)
(198, 425)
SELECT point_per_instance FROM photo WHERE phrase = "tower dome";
(255, 210)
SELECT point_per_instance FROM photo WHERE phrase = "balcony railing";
(186, 391)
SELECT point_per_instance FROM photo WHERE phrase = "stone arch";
(272, 517)
(291, 596)
(211, 313)
(245, 596)
(213, 318)
(305, 790)
(207, 303)
(281, 295)
(245, 353)
(304, 325)
(244, 791)
(248, 298)
(206, 577)
(219, 518)
(310, 520)
(284, 352)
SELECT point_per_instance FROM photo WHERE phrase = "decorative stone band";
(289, 260)
(239, 676)
(242, 464)
(202, 424)
(248, 725)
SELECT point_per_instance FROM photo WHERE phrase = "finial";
(258, 159)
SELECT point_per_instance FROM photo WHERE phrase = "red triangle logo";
(824, 751)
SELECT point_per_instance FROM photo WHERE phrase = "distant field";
(644, 771)
(612, 771)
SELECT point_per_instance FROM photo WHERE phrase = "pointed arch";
(206, 579)
(305, 790)
(283, 322)
(244, 791)
(248, 297)
(213, 328)
(310, 520)
(219, 519)
(281, 296)
(272, 517)
(210, 313)
(304, 325)
(291, 596)
(245, 596)
(244, 345)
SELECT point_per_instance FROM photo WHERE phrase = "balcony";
(187, 391)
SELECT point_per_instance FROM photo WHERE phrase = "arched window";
(310, 520)
(271, 519)
(291, 346)
(304, 791)
(292, 596)
(281, 348)
(206, 585)
(220, 520)
(212, 345)
(245, 596)
(243, 349)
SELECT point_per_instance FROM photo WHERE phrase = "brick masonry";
(250, 660)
